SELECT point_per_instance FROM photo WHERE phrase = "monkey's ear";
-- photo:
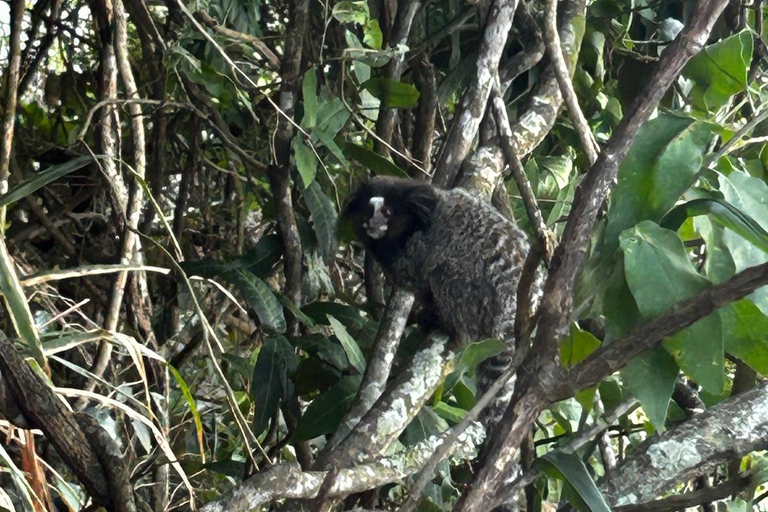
(422, 201)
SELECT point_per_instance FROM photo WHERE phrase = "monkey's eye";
(376, 227)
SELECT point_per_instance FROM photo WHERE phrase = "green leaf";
(745, 331)
(659, 274)
(42, 178)
(17, 306)
(262, 258)
(662, 164)
(392, 93)
(306, 163)
(720, 70)
(724, 214)
(351, 12)
(449, 413)
(354, 354)
(294, 309)
(351, 317)
(190, 399)
(324, 349)
(258, 295)
(577, 346)
(271, 383)
(370, 160)
(373, 36)
(719, 265)
(324, 219)
(309, 94)
(650, 378)
(326, 411)
(749, 195)
(575, 473)
(477, 352)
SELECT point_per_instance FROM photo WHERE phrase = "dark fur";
(450, 249)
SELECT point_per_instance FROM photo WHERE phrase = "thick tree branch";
(379, 365)
(692, 448)
(613, 357)
(469, 114)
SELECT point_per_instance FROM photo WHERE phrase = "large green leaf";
(745, 331)
(577, 346)
(370, 160)
(571, 468)
(659, 274)
(306, 163)
(271, 383)
(749, 195)
(41, 179)
(720, 70)
(354, 354)
(723, 213)
(324, 349)
(324, 218)
(309, 94)
(719, 264)
(327, 410)
(259, 296)
(662, 164)
(650, 378)
(263, 257)
(392, 93)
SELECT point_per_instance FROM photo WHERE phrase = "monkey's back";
(468, 263)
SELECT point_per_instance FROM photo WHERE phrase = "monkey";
(456, 253)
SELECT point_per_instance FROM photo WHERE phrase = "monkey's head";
(384, 212)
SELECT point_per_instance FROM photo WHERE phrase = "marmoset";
(456, 253)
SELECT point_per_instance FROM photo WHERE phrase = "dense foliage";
(195, 319)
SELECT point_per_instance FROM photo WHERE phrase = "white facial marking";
(376, 227)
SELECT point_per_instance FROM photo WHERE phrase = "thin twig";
(555, 52)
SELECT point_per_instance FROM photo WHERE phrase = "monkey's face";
(388, 210)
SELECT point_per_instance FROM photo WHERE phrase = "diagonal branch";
(613, 357)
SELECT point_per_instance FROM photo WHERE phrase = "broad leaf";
(324, 349)
(370, 160)
(720, 70)
(392, 93)
(306, 163)
(354, 354)
(324, 218)
(745, 330)
(326, 411)
(575, 473)
(650, 378)
(259, 296)
(271, 383)
(309, 94)
(577, 346)
(724, 214)
(662, 164)
(660, 275)
(263, 257)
